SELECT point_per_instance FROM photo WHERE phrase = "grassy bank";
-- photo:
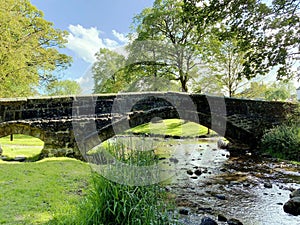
(21, 145)
(171, 127)
(65, 191)
(32, 193)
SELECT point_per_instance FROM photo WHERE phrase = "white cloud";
(86, 42)
(121, 37)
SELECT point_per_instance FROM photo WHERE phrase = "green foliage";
(113, 203)
(279, 91)
(284, 141)
(224, 62)
(63, 87)
(108, 72)
(256, 90)
(267, 34)
(28, 48)
(276, 91)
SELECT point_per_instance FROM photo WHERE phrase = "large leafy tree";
(173, 52)
(224, 63)
(28, 48)
(268, 33)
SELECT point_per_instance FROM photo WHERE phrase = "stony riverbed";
(209, 182)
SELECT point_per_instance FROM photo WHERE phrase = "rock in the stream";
(221, 197)
(208, 221)
(189, 172)
(295, 193)
(184, 211)
(222, 218)
(292, 206)
(198, 172)
(222, 144)
(268, 185)
(234, 222)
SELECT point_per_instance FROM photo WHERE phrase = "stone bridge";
(72, 125)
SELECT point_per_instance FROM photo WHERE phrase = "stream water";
(210, 182)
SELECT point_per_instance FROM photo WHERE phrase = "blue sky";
(92, 24)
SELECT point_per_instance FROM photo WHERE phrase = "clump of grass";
(112, 203)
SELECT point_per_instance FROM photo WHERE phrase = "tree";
(281, 91)
(224, 62)
(63, 87)
(257, 90)
(175, 40)
(108, 72)
(28, 49)
(269, 35)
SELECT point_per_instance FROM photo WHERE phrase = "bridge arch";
(21, 128)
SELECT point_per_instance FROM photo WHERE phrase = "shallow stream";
(210, 182)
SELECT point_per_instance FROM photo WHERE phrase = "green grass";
(171, 127)
(112, 203)
(21, 145)
(32, 193)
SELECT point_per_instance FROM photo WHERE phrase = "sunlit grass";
(21, 145)
(171, 127)
(32, 193)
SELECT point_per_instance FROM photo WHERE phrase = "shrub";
(283, 142)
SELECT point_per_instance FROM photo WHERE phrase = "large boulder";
(292, 206)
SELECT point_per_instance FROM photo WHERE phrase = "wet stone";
(208, 221)
(268, 185)
(234, 222)
(292, 206)
(189, 172)
(222, 218)
(20, 158)
(295, 193)
(184, 211)
(198, 172)
(221, 197)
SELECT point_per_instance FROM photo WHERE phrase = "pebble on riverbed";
(268, 185)
(234, 222)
